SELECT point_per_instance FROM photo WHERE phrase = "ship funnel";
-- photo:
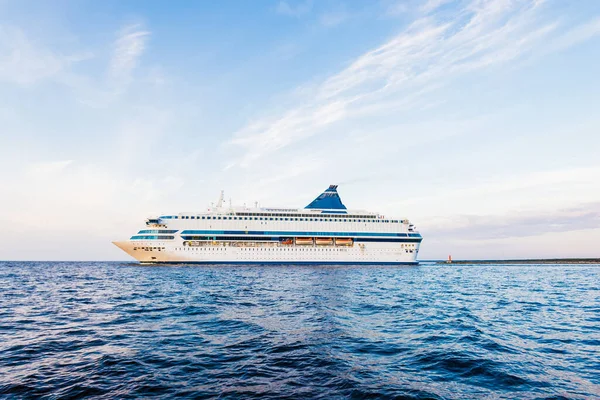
(328, 200)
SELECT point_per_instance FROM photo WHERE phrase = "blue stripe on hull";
(284, 262)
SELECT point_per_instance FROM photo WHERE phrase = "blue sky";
(478, 120)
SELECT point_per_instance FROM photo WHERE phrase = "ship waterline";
(324, 232)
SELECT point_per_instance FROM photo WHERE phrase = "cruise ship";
(324, 232)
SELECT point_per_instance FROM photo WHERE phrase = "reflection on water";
(124, 330)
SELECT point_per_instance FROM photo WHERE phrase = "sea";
(105, 330)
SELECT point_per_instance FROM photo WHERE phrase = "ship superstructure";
(324, 232)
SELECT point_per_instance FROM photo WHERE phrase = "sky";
(478, 120)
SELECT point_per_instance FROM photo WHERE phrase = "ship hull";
(367, 254)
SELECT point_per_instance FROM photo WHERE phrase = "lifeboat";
(287, 241)
(344, 242)
(304, 241)
(324, 241)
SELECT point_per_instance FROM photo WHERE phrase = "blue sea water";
(120, 330)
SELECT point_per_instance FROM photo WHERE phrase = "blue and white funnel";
(328, 200)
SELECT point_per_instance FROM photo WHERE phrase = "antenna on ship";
(220, 202)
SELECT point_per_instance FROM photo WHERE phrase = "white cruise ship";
(324, 232)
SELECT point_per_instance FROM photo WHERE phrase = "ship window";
(203, 217)
(245, 217)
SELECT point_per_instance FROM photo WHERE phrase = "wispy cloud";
(394, 8)
(432, 5)
(294, 8)
(128, 48)
(576, 35)
(119, 67)
(24, 61)
(524, 192)
(333, 18)
(45, 169)
(485, 227)
(425, 56)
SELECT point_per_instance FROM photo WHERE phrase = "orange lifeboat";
(304, 241)
(324, 241)
(287, 241)
(344, 242)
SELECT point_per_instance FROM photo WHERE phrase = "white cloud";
(333, 18)
(46, 169)
(584, 216)
(294, 9)
(489, 207)
(396, 8)
(128, 48)
(67, 205)
(422, 58)
(432, 5)
(24, 61)
(576, 35)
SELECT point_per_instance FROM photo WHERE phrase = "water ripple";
(113, 330)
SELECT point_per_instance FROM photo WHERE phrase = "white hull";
(369, 253)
